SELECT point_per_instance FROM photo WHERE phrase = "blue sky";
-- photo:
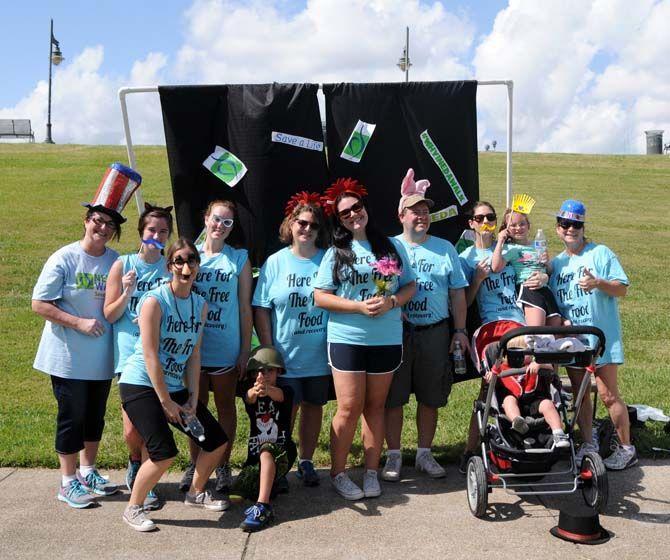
(590, 75)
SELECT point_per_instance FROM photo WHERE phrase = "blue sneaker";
(131, 473)
(95, 483)
(75, 495)
(152, 501)
(307, 473)
(257, 517)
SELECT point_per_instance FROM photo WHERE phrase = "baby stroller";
(522, 464)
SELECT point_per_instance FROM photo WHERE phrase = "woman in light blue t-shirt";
(224, 280)
(286, 318)
(364, 329)
(131, 276)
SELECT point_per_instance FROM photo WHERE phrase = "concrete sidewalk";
(416, 518)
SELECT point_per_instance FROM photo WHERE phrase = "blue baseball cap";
(572, 210)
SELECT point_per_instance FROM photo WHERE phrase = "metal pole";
(49, 140)
(407, 55)
(510, 105)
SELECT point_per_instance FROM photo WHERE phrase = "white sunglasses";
(227, 222)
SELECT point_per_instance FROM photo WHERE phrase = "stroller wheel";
(477, 486)
(596, 488)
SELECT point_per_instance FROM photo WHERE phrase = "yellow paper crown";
(523, 203)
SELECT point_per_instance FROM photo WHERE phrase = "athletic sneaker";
(75, 495)
(307, 473)
(95, 483)
(257, 517)
(621, 459)
(561, 441)
(187, 479)
(152, 501)
(346, 487)
(520, 425)
(371, 488)
(206, 500)
(463, 462)
(224, 479)
(425, 462)
(280, 486)
(392, 467)
(131, 473)
(134, 516)
(586, 447)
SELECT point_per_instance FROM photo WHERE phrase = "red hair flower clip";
(340, 186)
(302, 198)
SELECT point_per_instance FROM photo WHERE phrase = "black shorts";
(312, 390)
(542, 299)
(529, 404)
(146, 413)
(368, 359)
(81, 412)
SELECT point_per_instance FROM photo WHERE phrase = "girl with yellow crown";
(539, 306)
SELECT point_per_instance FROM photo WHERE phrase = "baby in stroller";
(528, 395)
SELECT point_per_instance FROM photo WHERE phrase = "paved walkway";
(416, 518)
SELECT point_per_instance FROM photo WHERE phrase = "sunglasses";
(227, 222)
(567, 224)
(304, 224)
(107, 223)
(479, 218)
(192, 261)
(354, 209)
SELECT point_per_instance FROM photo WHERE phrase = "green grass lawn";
(41, 187)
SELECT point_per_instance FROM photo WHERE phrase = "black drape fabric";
(401, 112)
(241, 119)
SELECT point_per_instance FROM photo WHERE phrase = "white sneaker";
(346, 487)
(371, 487)
(426, 463)
(561, 441)
(134, 516)
(621, 459)
(392, 467)
(586, 447)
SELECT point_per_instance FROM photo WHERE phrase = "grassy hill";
(41, 187)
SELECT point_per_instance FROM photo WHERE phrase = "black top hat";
(580, 529)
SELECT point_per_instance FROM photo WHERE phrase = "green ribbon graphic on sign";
(438, 158)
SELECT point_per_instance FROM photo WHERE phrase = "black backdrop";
(241, 119)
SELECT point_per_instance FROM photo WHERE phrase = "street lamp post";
(404, 62)
(55, 57)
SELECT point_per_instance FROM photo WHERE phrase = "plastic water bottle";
(460, 368)
(540, 243)
(193, 425)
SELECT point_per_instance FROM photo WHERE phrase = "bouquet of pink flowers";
(387, 268)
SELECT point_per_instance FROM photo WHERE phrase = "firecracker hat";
(265, 356)
(581, 529)
(572, 210)
(117, 186)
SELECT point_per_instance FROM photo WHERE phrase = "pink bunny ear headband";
(412, 192)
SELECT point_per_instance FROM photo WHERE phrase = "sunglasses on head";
(479, 218)
(192, 260)
(304, 224)
(567, 224)
(227, 222)
(353, 209)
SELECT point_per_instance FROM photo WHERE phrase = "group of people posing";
(342, 306)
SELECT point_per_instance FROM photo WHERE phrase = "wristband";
(461, 331)
(394, 302)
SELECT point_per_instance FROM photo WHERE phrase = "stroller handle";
(565, 331)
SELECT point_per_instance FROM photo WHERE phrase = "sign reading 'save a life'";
(297, 141)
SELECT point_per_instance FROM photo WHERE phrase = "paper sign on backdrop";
(444, 167)
(297, 141)
(448, 212)
(358, 141)
(226, 166)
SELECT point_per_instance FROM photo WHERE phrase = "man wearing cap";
(426, 369)
(587, 279)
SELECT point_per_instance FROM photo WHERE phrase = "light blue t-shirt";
(595, 309)
(438, 269)
(356, 328)
(126, 329)
(217, 281)
(496, 297)
(75, 281)
(286, 287)
(524, 259)
(181, 325)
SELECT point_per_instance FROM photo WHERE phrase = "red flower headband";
(340, 186)
(302, 198)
